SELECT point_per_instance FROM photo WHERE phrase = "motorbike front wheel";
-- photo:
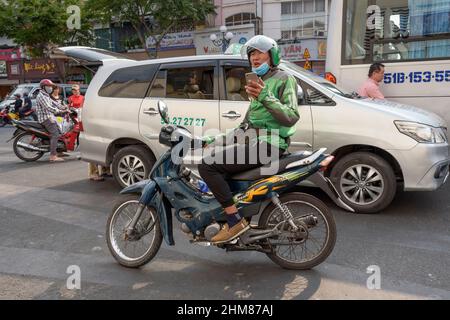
(313, 217)
(136, 250)
(25, 154)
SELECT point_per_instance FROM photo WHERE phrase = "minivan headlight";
(422, 133)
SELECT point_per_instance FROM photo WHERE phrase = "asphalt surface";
(53, 217)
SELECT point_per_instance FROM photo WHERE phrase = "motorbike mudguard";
(15, 134)
(136, 188)
(151, 197)
(164, 210)
(327, 186)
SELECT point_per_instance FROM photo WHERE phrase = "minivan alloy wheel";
(131, 170)
(362, 184)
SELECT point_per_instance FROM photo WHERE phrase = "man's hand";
(254, 88)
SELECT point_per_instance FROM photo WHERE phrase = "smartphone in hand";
(251, 76)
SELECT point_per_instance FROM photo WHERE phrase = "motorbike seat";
(33, 124)
(282, 164)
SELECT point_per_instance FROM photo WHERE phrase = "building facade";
(299, 26)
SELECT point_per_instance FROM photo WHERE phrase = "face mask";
(49, 90)
(262, 69)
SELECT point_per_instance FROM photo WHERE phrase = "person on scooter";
(273, 107)
(27, 107)
(47, 109)
(17, 103)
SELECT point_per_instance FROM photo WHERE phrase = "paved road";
(53, 217)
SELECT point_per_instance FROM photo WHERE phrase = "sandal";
(57, 160)
(63, 155)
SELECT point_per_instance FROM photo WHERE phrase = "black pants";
(53, 129)
(241, 158)
(32, 115)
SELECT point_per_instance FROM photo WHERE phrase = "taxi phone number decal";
(417, 77)
(179, 121)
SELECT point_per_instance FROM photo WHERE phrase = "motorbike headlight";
(422, 133)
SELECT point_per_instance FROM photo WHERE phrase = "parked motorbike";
(295, 230)
(32, 140)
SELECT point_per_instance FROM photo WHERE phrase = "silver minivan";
(380, 147)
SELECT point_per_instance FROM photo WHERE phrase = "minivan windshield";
(289, 66)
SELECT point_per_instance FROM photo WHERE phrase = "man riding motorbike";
(27, 108)
(273, 109)
(17, 103)
(47, 109)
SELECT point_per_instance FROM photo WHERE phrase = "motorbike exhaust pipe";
(30, 147)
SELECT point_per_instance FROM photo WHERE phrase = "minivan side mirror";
(300, 95)
(163, 111)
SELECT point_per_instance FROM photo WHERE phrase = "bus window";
(394, 31)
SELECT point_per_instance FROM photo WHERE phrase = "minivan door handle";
(151, 112)
(231, 115)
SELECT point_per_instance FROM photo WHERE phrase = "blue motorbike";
(294, 229)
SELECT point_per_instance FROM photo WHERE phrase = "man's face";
(378, 76)
(257, 58)
(75, 92)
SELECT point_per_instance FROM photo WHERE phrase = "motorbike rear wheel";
(320, 240)
(142, 247)
(24, 154)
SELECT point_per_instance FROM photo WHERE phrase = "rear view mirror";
(163, 111)
(300, 95)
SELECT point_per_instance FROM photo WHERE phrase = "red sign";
(6, 54)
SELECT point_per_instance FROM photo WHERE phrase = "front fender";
(164, 210)
(136, 188)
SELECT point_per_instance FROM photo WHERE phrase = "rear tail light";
(330, 77)
(81, 126)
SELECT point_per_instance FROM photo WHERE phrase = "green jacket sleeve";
(285, 109)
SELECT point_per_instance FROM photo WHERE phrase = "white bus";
(410, 37)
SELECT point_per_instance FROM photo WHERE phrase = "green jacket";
(276, 108)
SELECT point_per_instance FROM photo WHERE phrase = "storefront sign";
(35, 69)
(6, 54)
(310, 49)
(41, 68)
(180, 40)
